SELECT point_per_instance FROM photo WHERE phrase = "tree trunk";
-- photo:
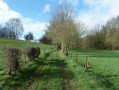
(62, 47)
(58, 46)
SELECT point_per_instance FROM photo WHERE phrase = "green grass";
(28, 72)
(51, 79)
(103, 73)
(54, 71)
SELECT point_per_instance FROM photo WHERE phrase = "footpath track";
(54, 74)
(40, 71)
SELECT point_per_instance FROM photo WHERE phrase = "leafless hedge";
(31, 53)
(13, 56)
(37, 53)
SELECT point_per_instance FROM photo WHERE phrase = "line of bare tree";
(63, 30)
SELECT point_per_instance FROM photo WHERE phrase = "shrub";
(13, 56)
(37, 52)
(31, 53)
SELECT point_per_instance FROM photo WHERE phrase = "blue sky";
(35, 14)
(31, 8)
(35, 8)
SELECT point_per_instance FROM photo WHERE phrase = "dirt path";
(67, 76)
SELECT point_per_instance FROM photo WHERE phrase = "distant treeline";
(103, 37)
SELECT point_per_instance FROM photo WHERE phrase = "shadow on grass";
(53, 72)
(25, 76)
(48, 54)
(104, 79)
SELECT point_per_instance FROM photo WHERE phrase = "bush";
(37, 52)
(31, 53)
(13, 56)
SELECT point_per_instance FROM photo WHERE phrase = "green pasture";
(55, 71)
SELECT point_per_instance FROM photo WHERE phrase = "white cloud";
(37, 28)
(3, 6)
(6, 13)
(30, 25)
(47, 8)
(99, 11)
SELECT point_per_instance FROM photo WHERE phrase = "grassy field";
(54, 71)
(103, 73)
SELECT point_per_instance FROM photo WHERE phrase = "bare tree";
(63, 27)
(15, 28)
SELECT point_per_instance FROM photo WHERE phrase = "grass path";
(67, 83)
(35, 80)
(56, 75)
(67, 76)
(40, 72)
